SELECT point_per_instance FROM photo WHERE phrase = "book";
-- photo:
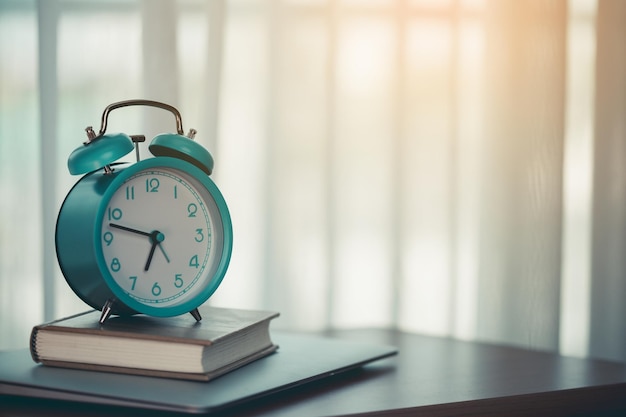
(173, 347)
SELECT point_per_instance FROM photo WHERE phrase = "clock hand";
(156, 238)
(139, 232)
(152, 248)
(128, 229)
(163, 252)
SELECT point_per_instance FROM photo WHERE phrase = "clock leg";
(107, 308)
(196, 314)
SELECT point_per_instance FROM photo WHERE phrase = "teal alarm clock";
(151, 237)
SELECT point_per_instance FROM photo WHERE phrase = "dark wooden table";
(431, 376)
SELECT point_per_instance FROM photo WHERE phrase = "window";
(421, 164)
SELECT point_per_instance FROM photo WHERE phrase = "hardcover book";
(173, 347)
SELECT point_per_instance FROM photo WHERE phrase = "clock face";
(162, 240)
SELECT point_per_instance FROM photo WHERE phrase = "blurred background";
(448, 167)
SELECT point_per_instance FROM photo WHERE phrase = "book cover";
(175, 347)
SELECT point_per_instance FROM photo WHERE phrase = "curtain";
(449, 167)
(608, 286)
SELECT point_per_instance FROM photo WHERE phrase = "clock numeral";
(200, 237)
(130, 192)
(156, 290)
(114, 213)
(115, 265)
(134, 280)
(152, 185)
(178, 280)
(194, 261)
(192, 209)
(108, 238)
(175, 192)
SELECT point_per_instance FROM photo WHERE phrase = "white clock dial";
(158, 234)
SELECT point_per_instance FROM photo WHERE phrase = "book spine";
(33, 344)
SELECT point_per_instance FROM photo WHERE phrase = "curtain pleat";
(160, 64)
(607, 337)
(520, 244)
(48, 21)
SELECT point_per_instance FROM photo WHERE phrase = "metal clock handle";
(141, 102)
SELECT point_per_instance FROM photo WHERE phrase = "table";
(431, 376)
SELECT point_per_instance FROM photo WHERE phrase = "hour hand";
(156, 238)
(150, 255)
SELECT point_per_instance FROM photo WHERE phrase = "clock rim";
(226, 226)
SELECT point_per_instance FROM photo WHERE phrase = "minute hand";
(128, 229)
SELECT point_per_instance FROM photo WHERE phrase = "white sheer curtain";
(450, 167)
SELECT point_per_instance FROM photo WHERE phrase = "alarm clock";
(151, 237)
